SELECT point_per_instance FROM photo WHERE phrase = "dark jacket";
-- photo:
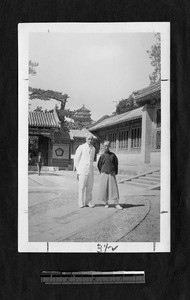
(108, 163)
(39, 160)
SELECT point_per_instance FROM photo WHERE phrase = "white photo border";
(24, 30)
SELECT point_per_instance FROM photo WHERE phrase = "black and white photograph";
(94, 137)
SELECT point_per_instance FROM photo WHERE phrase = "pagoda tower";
(83, 116)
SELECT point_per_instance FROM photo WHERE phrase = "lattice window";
(123, 139)
(158, 118)
(158, 139)
(136, 138)
(112, 140)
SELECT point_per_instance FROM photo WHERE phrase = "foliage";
(39, 108)
(48, 95)
(155, 57)
(33, 146)
(69, 113)
(79, 120)
(125, 105)
(32, 66)
(78, 124)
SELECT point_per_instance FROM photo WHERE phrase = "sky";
(94, 69)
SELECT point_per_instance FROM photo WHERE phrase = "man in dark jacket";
(108, 168)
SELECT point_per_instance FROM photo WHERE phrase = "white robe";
(108, 189)
(83, 164)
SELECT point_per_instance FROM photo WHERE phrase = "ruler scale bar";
(92, 277)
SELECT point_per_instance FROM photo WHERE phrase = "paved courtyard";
(54, 215)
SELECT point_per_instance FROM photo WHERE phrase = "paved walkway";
(54, 215)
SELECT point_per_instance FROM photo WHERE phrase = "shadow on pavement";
(43, 174)
(131, 205)
(123, 205)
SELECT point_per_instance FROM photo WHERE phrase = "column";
(117, 142)
(146, 140)
(129, 138)
(50, 151)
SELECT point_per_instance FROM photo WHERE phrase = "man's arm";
(116, 164)
(99, 165)
(77, 157)
(94, 149)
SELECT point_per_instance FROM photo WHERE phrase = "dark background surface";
(166, 273)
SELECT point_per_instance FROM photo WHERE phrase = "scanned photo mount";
(94, 137)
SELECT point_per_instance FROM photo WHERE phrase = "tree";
(32, 66)
(39, 108)
(155, 57)
(48, 95)
(33, 148)
(125, 105)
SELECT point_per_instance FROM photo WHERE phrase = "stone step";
(138, 184)
(155, 187)
(147, 182)
(150, 179)
(153, 175)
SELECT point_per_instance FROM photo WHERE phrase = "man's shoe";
(106, 206)
(90, 205)
(81, 206)
(118, 206)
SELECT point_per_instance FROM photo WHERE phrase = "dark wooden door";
(43, 148)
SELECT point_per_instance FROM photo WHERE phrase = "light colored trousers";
(39, 167)
(108, 189)
(85, 183)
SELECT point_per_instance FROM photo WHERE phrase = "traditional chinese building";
(83, 116)
(135, 135)
(49, 136)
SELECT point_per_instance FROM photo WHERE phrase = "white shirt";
(83, 160)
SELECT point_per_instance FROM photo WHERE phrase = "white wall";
(155, 158)
(129, 159)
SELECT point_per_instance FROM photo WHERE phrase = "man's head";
(106, 146)
(89, 139)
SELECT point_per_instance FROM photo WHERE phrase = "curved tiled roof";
(148, 91)
(98, 121)
(43, 119)
(80, 133)
(129, 115)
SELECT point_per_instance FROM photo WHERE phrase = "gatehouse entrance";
(36, 144)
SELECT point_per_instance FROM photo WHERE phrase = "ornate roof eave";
(42, 130)
(80, 133)
(115, 124)
(41, 119)
(148, 94)
(146, 99)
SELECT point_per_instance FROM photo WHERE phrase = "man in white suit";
(83, 164)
